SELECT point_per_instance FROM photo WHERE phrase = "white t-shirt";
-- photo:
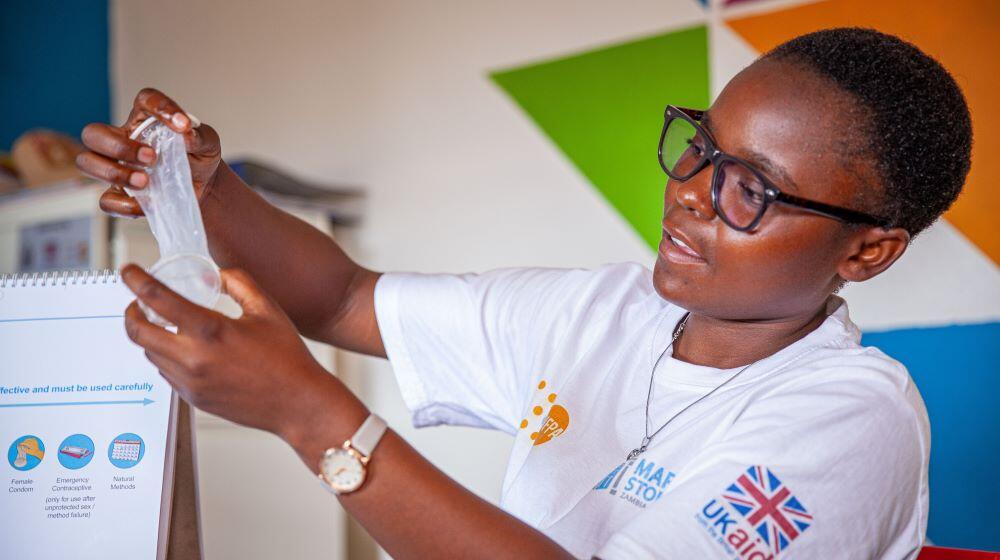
(819, 451)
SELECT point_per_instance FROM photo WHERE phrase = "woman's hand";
(111, 156)
(254, 370)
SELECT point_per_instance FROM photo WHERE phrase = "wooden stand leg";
(185, 533)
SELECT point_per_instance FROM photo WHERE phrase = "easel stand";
(185, 529)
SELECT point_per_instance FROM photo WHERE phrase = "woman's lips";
(676, 250)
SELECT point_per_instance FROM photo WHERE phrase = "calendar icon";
(126, 450)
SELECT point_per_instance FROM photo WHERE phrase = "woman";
(720, 406)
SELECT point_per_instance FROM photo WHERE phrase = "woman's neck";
(725, 344)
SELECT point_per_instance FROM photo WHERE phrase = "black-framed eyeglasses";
(740, 192)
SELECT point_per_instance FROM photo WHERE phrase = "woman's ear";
(872, 251)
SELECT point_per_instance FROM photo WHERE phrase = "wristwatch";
(342, 469)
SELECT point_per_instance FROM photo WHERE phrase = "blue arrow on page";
(143, 402)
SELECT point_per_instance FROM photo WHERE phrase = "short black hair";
(918, 126)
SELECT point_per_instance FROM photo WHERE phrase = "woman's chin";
(692, 294)
(671, 288)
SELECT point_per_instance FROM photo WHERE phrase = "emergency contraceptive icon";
(76, 451)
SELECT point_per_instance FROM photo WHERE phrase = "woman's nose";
(695, 194)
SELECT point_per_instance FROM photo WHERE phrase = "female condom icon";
(171, 207)
(26, 452)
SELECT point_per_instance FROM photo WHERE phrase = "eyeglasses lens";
(740, 193)
(683, 148)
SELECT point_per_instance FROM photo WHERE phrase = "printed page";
(84, 420)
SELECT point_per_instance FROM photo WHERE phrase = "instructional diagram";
(84, 418)
(76, 451)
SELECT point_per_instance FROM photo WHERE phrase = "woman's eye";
(695, 148)
(751, 193)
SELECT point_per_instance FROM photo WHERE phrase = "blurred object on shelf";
(8, 174)
(62, 244)
(44, 156)
(342, 204)
(57, 227)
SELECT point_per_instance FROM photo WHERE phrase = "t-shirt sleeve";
(466, 348)
(835, 472)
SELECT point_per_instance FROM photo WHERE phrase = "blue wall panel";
(957, 369)
(53, 66)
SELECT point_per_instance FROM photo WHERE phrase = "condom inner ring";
(194, 276)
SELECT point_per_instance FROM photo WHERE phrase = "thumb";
(203, 142)
(242, 288)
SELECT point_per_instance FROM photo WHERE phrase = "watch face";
(342, 470)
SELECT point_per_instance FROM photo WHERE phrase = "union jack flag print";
(768, 506)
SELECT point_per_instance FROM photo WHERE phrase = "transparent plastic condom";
(171, 207)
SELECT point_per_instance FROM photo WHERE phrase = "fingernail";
(137, 179)
(195, 121)
(146, 155)
(180, 120)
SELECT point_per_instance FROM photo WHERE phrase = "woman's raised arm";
(327, 295)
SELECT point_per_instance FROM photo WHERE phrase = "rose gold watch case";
(345, 449)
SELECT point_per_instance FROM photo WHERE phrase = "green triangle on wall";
(604, 109)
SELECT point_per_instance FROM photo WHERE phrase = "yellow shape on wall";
(962, 35)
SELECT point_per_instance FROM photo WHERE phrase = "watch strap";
(368, 435)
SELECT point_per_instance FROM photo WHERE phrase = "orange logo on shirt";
(551, 425)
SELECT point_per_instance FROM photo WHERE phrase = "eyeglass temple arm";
(836, 212)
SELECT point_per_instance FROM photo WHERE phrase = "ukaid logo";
(639, 486)
(756, 517)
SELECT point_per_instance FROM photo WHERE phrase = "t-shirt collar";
(836, 330)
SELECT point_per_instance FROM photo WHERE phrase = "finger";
(171, 370)
(113, 142)
(151, 337)
(242, 288)
(103, 169)
(153, 102)
(203, 142)
(117, 202)
(170, 305)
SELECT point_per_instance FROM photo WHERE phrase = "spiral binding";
(59, 278)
